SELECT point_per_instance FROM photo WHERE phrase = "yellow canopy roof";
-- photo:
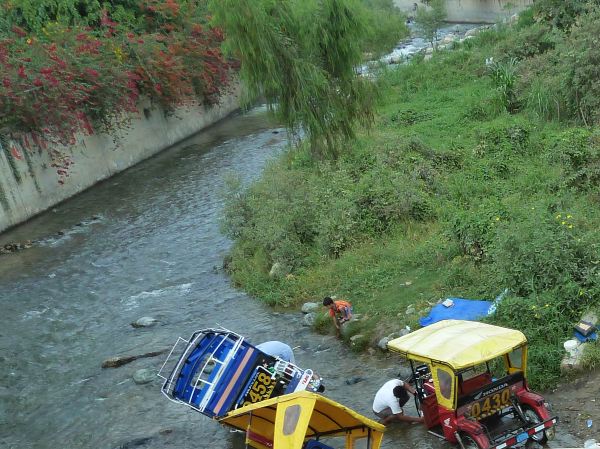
(287, 421)
(458, 343)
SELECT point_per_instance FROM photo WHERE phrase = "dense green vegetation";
(475, 178)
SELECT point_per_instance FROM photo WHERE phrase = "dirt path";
(577, 402)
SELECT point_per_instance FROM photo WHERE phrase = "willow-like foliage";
(301, 56)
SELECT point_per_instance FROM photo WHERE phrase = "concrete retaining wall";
(474, 11)
(29, 184)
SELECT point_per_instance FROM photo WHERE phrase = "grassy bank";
(474, 179)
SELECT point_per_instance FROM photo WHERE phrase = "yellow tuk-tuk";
(302, 420)
(470, 379)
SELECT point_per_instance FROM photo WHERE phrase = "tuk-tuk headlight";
(548, 406)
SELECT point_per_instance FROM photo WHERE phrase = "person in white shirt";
(389, 401)
(278, 349)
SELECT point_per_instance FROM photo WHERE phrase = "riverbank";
(467, 185)
(36, 175)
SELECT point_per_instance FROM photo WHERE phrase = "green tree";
(301, 56)
(430, 20)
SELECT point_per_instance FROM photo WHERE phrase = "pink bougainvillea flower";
(16, 153)
(92, 72)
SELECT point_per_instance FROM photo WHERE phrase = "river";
(147, 243)
(144, 243)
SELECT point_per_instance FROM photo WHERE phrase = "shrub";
(474, 229)
(527, 42)
(538, 252)
(504, 76)
(561, 14)
(578, 152)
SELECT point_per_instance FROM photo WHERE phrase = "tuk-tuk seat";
(474, 383)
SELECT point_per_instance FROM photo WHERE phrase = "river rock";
(145, 321)
(277, 270)
(115, 362)
(144, 376)
(309, 319)
(472, 32)
(309, 307)
(134, 443)
(354, 380)
(382, 344)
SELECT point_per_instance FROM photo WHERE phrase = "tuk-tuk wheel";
(468, 442)
(532, 417)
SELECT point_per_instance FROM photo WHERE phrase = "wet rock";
(138, 442)
(382, 344)
(354, 380)
(115, 362)
(145, 321)
(322, 348)
(309, 307)
(309, 319)
(144, 376)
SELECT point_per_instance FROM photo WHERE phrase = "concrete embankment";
(30, 184)
(474, 11)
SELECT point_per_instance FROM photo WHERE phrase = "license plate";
(490, 404)
(522, 437)
(262, 387)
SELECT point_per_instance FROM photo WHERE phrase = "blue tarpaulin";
(462, 309)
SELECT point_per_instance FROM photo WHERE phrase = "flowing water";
(147, 243)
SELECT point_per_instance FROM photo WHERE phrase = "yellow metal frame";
(288, 421)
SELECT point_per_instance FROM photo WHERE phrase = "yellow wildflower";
(563, 222)
(497, 218)
(119, 54)
(569, 216)
(570, 226)
(558, 216)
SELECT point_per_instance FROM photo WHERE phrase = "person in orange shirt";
(340, 311)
